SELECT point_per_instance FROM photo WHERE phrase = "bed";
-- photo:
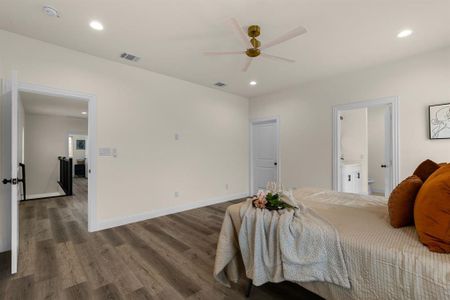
(382, 262)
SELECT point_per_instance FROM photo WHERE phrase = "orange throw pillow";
(401, 202)
(425, 169)
(432, 211)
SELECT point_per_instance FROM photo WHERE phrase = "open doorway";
(76, 111)
(47, 121)
(15, 158)
(365, 147)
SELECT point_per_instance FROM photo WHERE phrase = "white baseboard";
(44, 195)
(101, 225)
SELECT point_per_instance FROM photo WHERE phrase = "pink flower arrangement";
(272, 198)
(260, 200)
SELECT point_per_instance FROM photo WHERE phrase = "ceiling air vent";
(130, 57)
(221, 84)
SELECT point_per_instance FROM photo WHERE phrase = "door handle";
(11, 180)
(384, 166)
(275, 164)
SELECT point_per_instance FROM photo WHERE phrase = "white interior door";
(264, 154)
(388, 171)
(10, 160)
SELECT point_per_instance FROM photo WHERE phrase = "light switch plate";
(104, 151)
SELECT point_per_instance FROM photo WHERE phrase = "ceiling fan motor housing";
(254, 31)
(253, 52)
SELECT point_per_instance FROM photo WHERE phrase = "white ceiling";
(53, 106)
(171, 35)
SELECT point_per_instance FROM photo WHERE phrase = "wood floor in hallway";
(170, 257)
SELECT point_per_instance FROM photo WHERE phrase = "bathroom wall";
(354, 141)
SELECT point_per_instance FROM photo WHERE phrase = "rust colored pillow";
(401, 202)
(432, 211)
(425, 169)
(442, 164)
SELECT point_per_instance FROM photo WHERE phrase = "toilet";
(370, 184)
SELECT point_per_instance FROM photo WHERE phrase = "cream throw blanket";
(292, 244)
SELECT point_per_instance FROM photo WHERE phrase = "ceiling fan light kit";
(253, 45)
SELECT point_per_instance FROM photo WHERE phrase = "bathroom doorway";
(365, 147)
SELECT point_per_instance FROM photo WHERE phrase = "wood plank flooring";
(170, 257)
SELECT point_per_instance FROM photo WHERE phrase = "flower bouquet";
(271, 198)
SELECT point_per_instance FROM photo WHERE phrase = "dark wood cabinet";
(80, 170)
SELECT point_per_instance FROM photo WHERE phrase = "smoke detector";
(50, 11)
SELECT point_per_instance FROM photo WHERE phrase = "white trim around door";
(391, 102)
(255, 121)
(92, 138)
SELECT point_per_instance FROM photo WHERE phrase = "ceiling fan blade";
(223, 53)
(279, 58)
(247, 64)
(243, 36)
(285, 37)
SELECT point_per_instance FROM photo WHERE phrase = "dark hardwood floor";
(170, 257)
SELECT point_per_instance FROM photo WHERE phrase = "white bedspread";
(382, 262)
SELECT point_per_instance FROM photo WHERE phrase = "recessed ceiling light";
(84, 112)
(253, 82)
(404, 33)
(96, 25)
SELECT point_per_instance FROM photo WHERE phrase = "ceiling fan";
(254, 46)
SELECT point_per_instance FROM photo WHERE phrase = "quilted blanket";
(290, 244)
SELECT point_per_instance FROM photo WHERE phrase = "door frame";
(92, 138)
(255, 121)
(393, 102)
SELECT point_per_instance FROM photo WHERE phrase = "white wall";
(46, 138)
(139, 112)
(376, 146)
(305, 114)
(354, 134)
(354, 145)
